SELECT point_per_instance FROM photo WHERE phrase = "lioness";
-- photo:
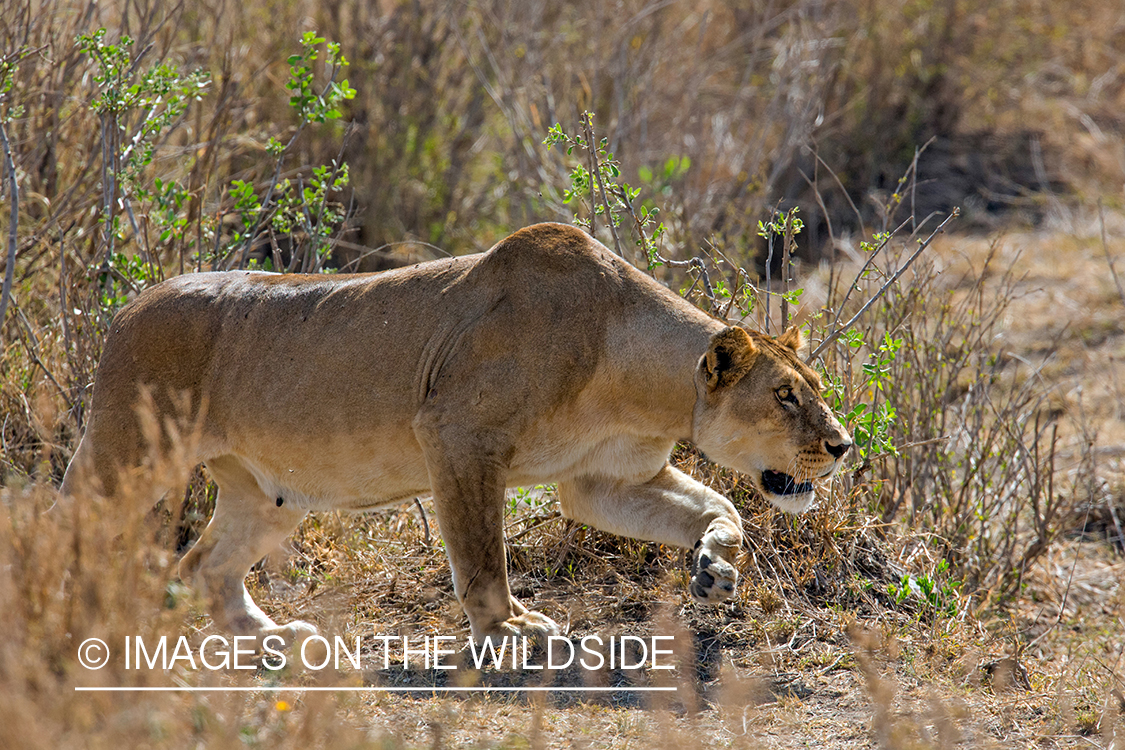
(545, 359)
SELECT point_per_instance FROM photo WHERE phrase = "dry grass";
(1005, 494)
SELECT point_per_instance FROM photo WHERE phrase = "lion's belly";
(336, 472)
(370, 456)
(339, 474)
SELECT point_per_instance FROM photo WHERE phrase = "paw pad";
(712, 579)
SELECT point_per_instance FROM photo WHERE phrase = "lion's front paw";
(712, 578)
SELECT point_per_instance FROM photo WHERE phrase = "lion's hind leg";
(83, 476)
(109, 460)
(671, 508)
(246, 525)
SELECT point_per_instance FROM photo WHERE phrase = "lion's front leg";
(468, 492)
(671, 508)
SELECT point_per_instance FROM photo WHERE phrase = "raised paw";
(712, 578)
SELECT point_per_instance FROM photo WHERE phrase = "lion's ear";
(792, 339)
(729, 356)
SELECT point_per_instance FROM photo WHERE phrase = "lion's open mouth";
(777, 483)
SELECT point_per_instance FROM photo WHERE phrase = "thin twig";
(911, 174)
(918, 443)
(733, 292)
(14, 194)
(109, 189)
(769, 277)
(425, 522)
(914, 179)
(31, 344)
(587, 130)
(253, 233)
(219, 214)
(1066, 591)
(138, 237)
(1108, 257)
(307, 261)
(833, 274)
(814, 183)
(588, 125)
(866, 265)
(882, 290)
(847, 196)
(535, 523)
(318, 257)
(696, 263)
(64, 308)
(383, 249)
(786, 250)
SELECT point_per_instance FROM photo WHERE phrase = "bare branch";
(695, 263)
(866, 265)
(769, 277)
(1108, 257)
(882, 290)
(588, 131)
(858, 215)
(425, 522)
(384, 250)
(733, 293)
(786, 251)
(7, 63)
(31, 345)
(14, 195)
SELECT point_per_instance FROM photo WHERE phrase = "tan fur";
(545, 359)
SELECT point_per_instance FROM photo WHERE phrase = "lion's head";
(760, 411)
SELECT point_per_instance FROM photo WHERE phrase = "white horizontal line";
(435, 689)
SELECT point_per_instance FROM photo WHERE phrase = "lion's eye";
(785, 395)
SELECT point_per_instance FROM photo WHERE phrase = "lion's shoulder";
(563, 260)
(547, 248)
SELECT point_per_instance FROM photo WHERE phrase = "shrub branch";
(14, 194)
(883, 289)
(1108, 257)
(695, 263)
(587, 124)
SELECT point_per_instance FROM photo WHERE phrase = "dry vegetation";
(958, 586)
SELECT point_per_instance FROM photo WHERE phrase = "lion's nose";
(838, 449)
